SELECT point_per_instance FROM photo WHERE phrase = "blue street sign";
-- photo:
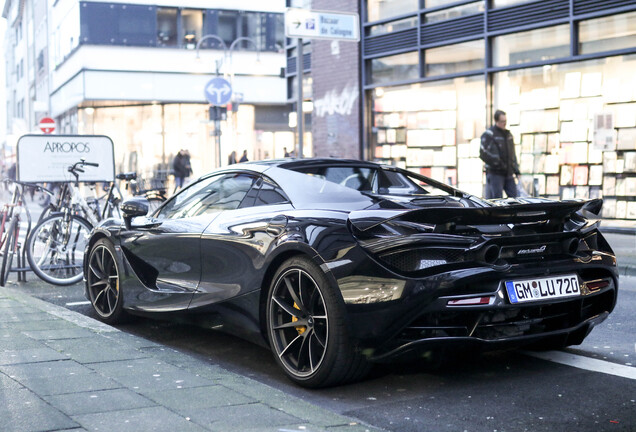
(218, 91)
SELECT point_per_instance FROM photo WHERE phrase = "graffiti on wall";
(337, 103)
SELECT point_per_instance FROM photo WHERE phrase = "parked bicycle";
(55, 247)
(10, 246)
(155, 196)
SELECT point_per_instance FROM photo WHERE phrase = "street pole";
(299, 102)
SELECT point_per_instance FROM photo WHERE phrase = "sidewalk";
(60, 370)
(624, 246)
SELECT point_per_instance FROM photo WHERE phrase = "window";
(220, 192)
(264, 192)
(41, 60)
(532, 46)
(608, 33)
(381, 9)
(504, 3)
(399, 67)
(455, 12)
(393, 26)
(228, 26)
(167, 27)
(456, 58)
(191, 27)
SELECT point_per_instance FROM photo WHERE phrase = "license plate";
(529, 290)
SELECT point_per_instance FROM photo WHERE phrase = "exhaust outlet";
(490, 254)
(570, 246)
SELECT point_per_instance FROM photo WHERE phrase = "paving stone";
(8, 384)
(133, 367)
(37, 325)
(94, 350)
(30, 355)
(66, 333)
(307, 427)
(160, 381)
(135, 341)
(19, 343)
(23, 411)
(156, 419)
(99, 401)
(70, 384)
(241, 417)
(186, 400)
(12, 316)
(60, 368)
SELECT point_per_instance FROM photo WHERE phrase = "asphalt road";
(504, 391)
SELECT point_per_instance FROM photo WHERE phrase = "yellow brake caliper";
(299, 329)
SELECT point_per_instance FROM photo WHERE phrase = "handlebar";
(37, 187)
(75, 168)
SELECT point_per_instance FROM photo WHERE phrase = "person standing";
(497, 150)
(182, 168)
(244, 157)
(231, 159)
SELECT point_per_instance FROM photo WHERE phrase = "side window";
(222, 192)
(264, 192)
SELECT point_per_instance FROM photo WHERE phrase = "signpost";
(47, 125)
(46, 158)
(218, 91)
(308, 24)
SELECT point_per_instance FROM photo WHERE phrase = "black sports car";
(337, 264)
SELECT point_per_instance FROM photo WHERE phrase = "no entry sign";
(47, 125)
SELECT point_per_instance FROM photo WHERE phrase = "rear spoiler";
(557, 211)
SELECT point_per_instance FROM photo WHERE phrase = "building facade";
(432, 73)
(136, 72)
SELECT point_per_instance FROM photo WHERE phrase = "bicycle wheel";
(8, 251)
(55, 248)
(153, 204)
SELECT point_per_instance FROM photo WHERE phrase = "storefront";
(563, 70)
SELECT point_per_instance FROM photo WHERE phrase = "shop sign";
(308, 24)
(46, 158)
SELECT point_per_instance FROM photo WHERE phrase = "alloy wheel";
(103, 281)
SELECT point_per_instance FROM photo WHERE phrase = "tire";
(102, 282)
(8, 250)
(306, 328)
(55, 248)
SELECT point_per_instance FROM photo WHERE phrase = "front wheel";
(8, 250)
(102, 281)
(55, 248)
(307, 330)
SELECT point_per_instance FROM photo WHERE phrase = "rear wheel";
(102, 280)
(8, 251)
(307, 327)
(55, 248)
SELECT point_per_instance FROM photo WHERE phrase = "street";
(503, 391)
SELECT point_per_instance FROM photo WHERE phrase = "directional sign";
(218, 91)
(47, 125)
(308, 24)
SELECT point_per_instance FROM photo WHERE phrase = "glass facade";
(532, 46)
(381, 9)
(568, 88)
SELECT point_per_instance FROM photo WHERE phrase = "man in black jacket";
(497, 150)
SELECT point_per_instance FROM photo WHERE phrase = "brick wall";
(335, 69)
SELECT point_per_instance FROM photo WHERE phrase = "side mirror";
(133, 207)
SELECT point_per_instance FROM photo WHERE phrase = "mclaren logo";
(532, 251)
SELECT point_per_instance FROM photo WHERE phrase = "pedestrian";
(287, 154)
(244, 157)
(231, 159)
(182, 168)
(497, 150)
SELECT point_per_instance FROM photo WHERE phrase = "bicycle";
(155, 195)
(9, 244)
(55, 247)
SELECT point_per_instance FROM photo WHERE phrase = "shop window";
(456, 58)
(504, 3)
(191, 27)
(532, 46)
(252, 27)
(454, 12)
(393, 26)
(607, 33)
(399, 67)
(381, 9)
(167, 27)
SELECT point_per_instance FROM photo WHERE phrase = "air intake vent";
(453, 29)
(587, 6)
(544, 10)
(405, 39)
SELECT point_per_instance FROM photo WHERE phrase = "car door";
(166, 251)
(234, 246)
